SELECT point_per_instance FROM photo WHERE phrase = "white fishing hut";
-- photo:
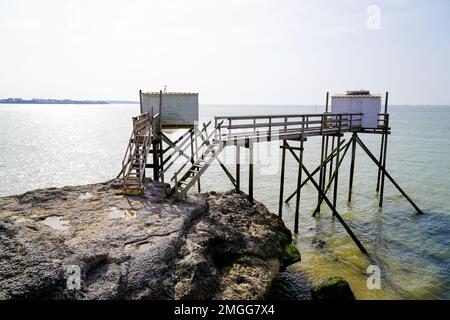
(359, 102)
(177, 109)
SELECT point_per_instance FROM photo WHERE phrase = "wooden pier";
(199, 147)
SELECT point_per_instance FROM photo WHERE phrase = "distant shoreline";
(62, 101)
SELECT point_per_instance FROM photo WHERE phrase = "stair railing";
(205, 142)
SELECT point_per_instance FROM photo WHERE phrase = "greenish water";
(57, 145)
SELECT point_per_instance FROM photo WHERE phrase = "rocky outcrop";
(334, 288)
(211, 246)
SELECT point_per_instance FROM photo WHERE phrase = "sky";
(230, 51)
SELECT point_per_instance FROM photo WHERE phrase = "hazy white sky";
(230, 51)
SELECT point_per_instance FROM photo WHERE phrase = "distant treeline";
(60, 101)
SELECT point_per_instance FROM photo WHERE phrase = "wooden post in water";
(321, 174)
(299, 179)
(352, 167)
(382, 140)
(336, 178)
(331, 162)
(324, 178)
(322, 151)
(283, 161)
(328, 202)
(326, 142)
(374, 159)
(328, 159)
(384, 160)
(338, 164)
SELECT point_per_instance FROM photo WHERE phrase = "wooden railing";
(310, 124)
(198, 152)
(144, 127)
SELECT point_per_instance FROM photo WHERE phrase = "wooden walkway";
(200, 147)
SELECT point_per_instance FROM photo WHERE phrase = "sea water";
(56, 145)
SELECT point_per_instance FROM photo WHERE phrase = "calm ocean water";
(56, 145)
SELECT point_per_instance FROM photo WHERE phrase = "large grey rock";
(207, 246)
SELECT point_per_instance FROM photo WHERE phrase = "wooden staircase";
(191, 176)
(135, 159)
(200, 159)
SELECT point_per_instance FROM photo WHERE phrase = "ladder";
(135, 159)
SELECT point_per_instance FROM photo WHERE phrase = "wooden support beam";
(332, 154)
(385, 130)
(192, 148)
(333, 209)
(381, 161)
(331, 163)
(250, 172)
(374, 159)
(352, 167)
(161, 161)
(155, 146)
(384, 169)
(140, 101)
(283, 162)
(336, 172)
(238, 168)
(330, 182)
(299, 178)
(324, 178)
(322, 152)
(199, 188)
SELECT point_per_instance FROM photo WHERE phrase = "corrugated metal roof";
(170, 93)
(356, 96)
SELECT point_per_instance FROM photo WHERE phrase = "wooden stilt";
(324, 178)
(299, 179)
(140, 101)
(352, 167)
(155, 147)
(330, 182)
(331, 163)
(199, 188)
(238, 168)
(381, 161)
(336, 178)
(321, 172)
(384, 164)
(383, 136)
(326, 140)
(283, 161)
(374, 159)
(250, 172)
(332, 154)
(333, 209)
(161, 161)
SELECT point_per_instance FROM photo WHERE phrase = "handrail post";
(270, 129)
